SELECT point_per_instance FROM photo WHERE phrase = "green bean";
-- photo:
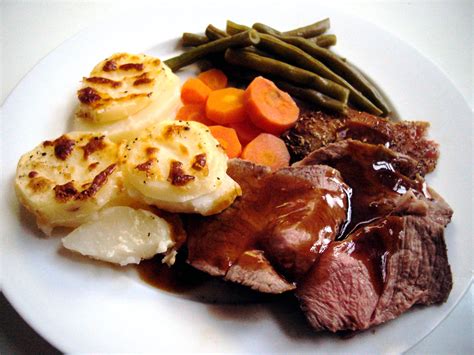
(312, 30)
(312, 96)
(333, 62)
(324, 41)
(300, 58)
(192, 39)
(214, 33)
(233, 28)
(286, 71)
(239, 40)
(262, 28)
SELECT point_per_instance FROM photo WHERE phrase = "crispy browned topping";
(66, 192)
(104, 81)
(151, 151)
(177, 177)
(110, 65)
(32, 174)
(173, 129)
(39, 184)
(92, 166)
(146, 165)
(94, 144)
(199, 161)
(97, 183)
(88, 95)
(132, 66)
(142, 81)
(63, 147)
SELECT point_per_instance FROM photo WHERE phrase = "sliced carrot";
(214, 78)
(226, 106)
(193, 112)
(268, 150)
(194, 91)
(269, 108)
(246, 131)
(228, 139)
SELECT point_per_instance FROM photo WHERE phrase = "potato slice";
(174, 163)
(125, 93)
(65, 180)
(122, 235)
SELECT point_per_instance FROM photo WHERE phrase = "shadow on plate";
(17, 337)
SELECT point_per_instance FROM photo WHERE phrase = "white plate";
(83, 306)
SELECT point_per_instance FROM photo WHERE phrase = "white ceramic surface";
(82, 306)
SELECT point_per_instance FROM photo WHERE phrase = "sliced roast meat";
(297, 209)
(382, 182)
(394, 254)
(280, 235)
(216, 242)
(377, 273)
(306, 209)
(316, 129)
(252, 269)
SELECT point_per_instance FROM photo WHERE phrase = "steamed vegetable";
(286, 71)
(313, 96)
(332, 61)
(228, 139)
(269, 108)
(326, 40)
(266, 149)
(194, 91)
(213, 33)
(297, 56)
(244, 39)
(192, 39)
(226, 106)
(289, 56)
(213, 78)
(246, 131)
(193, 112)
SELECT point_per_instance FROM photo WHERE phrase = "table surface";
(440, 30)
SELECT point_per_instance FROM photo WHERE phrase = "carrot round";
(246, 131)
(268, 150)
(269, 108)
(193, 112)
(226, 106)
(228, 140)
(194, 91)
(214, 78)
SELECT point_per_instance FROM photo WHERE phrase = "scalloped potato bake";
(65, 180)
(125, 93)
(180, 167)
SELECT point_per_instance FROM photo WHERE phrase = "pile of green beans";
(298, 60)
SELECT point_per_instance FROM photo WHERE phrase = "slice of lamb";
(305, 217)
(316, 129)
(382, 182)
(252, 269)
(377, 273)
(216, 242)
(301, 207)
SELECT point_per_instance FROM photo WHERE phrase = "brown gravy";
(185, 281)
(373, 244)
(180, 278)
